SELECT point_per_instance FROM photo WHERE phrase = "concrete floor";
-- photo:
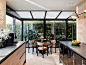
(33, 59)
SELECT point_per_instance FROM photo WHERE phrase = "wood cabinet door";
(14, 59)
(21, 60)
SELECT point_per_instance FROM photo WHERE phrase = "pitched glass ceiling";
(38, 14)
(24, 14)
(44, 14)
(52, 14)
(65, 15)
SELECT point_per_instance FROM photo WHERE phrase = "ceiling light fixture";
(34, 9)
(74, 16)
(19, 9)
(63, 9)
(37, 5)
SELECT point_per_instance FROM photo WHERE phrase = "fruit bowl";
(75, 44)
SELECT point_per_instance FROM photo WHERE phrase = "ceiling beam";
(58, 14)
(31, 15)
(45, 10)
(45, 14)
(13, 16)
(48, 19)
(11, 12)
(68, 17)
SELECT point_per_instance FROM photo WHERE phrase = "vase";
(41, 40)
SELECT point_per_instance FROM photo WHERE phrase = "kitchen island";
(13, 55)
(72, 55)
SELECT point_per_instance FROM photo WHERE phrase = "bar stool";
(31, 45)
(52, 45)
(42, 46)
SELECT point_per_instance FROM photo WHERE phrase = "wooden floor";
(33, 59)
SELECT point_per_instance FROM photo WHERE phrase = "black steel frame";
(27, 19)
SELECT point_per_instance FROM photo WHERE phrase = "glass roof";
(44, 14)
(65, 15)
(24, 14)
(52, 14)
(38, 15)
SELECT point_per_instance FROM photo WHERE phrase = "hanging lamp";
(74, 16)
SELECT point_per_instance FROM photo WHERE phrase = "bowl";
(75, 44)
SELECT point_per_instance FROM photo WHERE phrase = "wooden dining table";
(42, 41)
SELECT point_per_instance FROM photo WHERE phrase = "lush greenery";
(9, 26)
(59, 30)
(18, 31)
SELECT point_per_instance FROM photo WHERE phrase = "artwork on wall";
(85, 12)
(1, 13)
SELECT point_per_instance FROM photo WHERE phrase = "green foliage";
(38, 27)
(9, 26)
(18, 31)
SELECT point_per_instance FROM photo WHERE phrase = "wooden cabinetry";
(74, 56)
(17, 57)
(79, 60)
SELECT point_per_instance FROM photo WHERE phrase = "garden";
(54, 30)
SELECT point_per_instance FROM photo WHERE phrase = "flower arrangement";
(42, 37)
(4, 34)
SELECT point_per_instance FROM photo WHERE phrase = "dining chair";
(52, 45)
(42, 46)
(31, 45)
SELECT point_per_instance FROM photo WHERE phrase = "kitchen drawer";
(21, 59)
(21, 50)
(16, 55)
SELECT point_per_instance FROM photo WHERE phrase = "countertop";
(5, 52)
(80, 50)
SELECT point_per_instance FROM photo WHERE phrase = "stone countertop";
(80, 50)
(4, 52)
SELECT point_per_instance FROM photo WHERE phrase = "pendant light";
(74, 16)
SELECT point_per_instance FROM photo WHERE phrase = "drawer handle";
(22, 55)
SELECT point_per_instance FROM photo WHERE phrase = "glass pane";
(65, 15)
(52, 14)
(25, 14)
(18, 29)
(32, 30)
(55, 30)
(39, 15)
(71, 30)
(49, 30)
(9, 22)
